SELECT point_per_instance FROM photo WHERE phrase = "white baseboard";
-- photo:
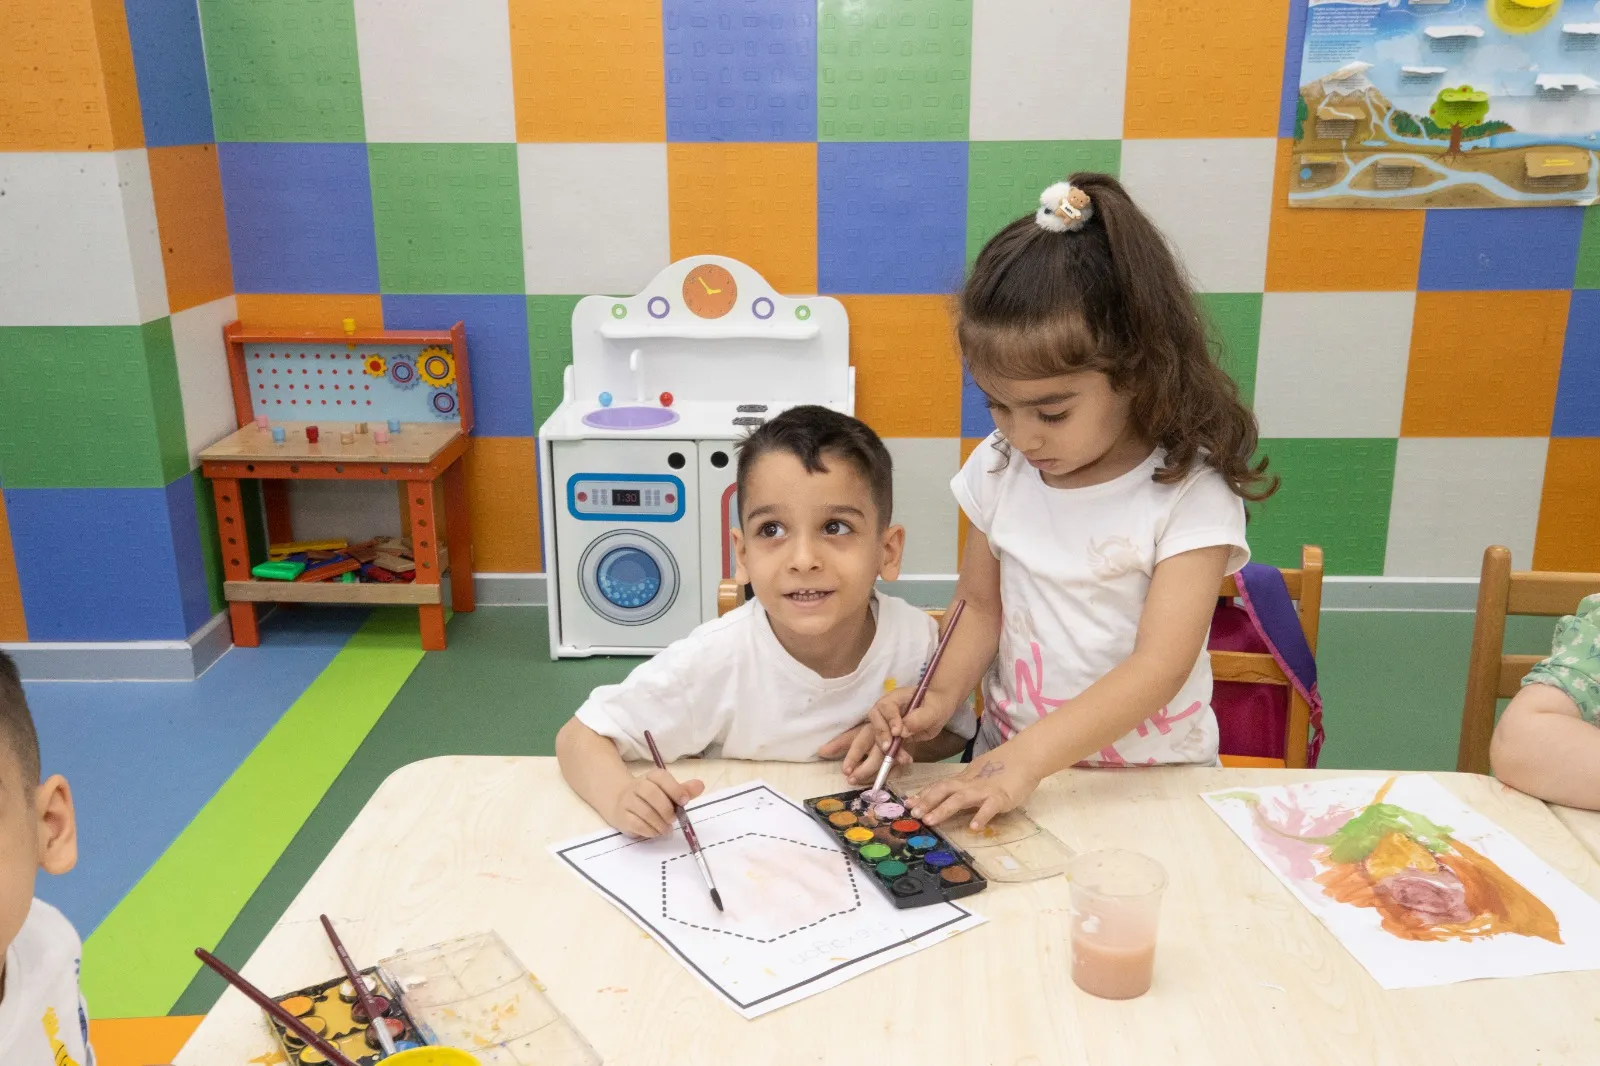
(184, 660)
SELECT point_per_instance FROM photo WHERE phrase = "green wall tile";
(1335, 493)
(284, 70)
(1235, 322)
(77, 411)
(448, 217)
(1005, 178)
(205, 509)
(893, 70)
(1588, 276)
(549, 349)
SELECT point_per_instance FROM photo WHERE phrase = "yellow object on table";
(432, 1056)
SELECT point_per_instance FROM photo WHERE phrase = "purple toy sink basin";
(630, 417)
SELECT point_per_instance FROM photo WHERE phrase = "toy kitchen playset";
(637, 463)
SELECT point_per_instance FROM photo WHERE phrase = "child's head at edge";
(1088, 341)
(816, 498)
(37, 827)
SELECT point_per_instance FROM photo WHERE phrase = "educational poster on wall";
(1448, 103)
(1419, 887)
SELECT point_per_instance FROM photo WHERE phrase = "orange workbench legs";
(458, 535)
(235, 558)
(425, 551)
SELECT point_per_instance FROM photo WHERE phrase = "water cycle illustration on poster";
(1448, 103)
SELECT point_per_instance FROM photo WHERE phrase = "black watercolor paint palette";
(334, 1013)
(913, 864)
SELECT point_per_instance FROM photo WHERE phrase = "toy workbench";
(370, 405)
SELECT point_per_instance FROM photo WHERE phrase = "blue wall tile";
(891, 218)
(497, 351)
(1481, 249)
(1578, 395)
(741, 70)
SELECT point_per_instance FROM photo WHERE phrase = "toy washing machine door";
(628, 577)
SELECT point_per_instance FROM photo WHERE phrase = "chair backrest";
(1305, 588)
(1492, 674)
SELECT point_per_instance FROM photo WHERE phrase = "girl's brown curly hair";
(1111, 297)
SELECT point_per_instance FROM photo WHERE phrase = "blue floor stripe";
(143, 757)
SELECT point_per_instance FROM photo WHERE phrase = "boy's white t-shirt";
(1075, 567)
(730, 690)
(43, 1021)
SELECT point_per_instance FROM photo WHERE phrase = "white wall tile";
(1213, 199)
(1455, 496)
(352, 510)
(65, 253)
(1048, 69)
(208, 414)
(1333, 364)
(923, 467)
(594, 216)
(436, 72)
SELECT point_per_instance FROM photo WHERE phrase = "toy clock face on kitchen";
(637, 462)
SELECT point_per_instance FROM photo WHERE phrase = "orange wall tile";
(140, 1041)
(194, 232)
(908, 369)
(52, 87)
(503, 487)
(13, 624)
(1317, 250)
(1484, 364)
(311, 311)
(1204, 69)
(1569, 510)
(588, 72)
(116, 70)
(754, 202)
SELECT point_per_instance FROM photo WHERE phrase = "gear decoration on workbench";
(437, 367)
(403, 373)
(376, 365)
(443, 403)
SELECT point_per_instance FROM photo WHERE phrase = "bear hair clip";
(1063, 207)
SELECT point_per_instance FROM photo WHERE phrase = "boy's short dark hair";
(16, 724)
(807, 432)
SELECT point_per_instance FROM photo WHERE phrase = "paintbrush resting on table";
(688, 830)
(375, 1017)
(268, 1004)
(922, 690)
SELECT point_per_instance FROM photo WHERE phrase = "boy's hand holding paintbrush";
(647, 806)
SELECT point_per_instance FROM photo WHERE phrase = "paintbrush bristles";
(716, 897)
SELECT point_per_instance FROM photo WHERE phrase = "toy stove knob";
(666, 399)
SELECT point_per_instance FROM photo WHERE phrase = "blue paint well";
(299, 217)
(1496, 249)
(1578, 394)
(169, 64)
(741, 70)
(497, 352)
(143, 757)
(891, 218)
(102, 564)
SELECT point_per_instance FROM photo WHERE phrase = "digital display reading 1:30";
(625, 497)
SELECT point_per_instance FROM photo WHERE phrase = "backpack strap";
(1265, 598)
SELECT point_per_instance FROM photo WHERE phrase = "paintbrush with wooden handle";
(688, 830)
(922, 690)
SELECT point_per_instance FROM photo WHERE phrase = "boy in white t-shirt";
(791, 674)
(43, 1021)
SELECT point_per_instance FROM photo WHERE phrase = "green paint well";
(284, 71)
(893, 72)
(1335, 493)
(506, 697)
(448, 217)
(1005, 178)
(91, 392)
(549, 349)
(140, 959)
(1234, 319)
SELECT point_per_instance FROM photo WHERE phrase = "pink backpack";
(1253, 717)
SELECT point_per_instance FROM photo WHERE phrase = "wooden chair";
(1492, 674)
(1305, 588)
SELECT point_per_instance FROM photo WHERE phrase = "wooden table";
(1585, 825)
(1244, 974)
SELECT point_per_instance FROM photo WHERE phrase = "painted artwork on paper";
(1422, 889)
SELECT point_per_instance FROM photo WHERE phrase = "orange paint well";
(584, 72)
(754, 202)
(908, 364)
(194, 232)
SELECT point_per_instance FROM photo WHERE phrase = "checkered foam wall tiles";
(1427, 382)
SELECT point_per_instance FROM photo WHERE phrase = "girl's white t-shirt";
(730, 690)
(1075, 567)
(42, 1017)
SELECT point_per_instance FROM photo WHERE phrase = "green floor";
(1392, 684)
